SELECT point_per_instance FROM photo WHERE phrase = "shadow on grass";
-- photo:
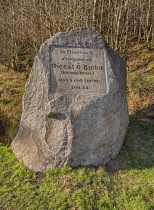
(138, 149)
(8, 129)
(4, 124)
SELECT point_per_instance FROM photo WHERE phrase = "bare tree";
(26, 24)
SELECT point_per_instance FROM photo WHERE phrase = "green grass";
(140, 91)
(137, 151)
(151, 64)
(67, 188)
(11, 92)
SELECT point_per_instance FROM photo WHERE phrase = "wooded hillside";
(26, 24)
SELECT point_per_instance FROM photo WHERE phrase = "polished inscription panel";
(78, 70)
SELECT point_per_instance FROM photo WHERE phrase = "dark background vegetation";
(26, 24)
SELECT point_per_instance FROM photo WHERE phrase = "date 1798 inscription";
(79, 70)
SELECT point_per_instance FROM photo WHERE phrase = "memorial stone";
(74, 107)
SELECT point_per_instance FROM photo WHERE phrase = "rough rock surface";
(74, 107)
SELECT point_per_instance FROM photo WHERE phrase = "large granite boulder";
(74, 107)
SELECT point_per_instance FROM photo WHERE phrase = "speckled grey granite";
(73, 115)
